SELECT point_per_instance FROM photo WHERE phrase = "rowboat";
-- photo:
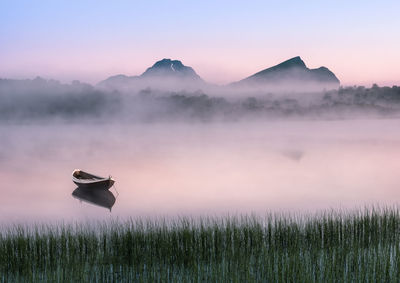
(86, 180)
(103, 198)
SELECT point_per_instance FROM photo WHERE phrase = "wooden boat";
(101, 198)
(86, 180)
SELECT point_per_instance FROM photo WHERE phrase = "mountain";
(291, 75)
(171, 75)
(171, 68)
(165, 74)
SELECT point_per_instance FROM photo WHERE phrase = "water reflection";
(295, 155)
(103, 198)
(206, 169)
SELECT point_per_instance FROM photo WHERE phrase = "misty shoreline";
(47, 101)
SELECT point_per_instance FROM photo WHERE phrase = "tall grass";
(333, 246)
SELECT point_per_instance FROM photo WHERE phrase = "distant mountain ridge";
(166, 74)
(291, 74)
(293, 70)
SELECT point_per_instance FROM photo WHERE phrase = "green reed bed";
(329, 247)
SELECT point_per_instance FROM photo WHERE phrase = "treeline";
(43, 99)
(360, 95)
(346, 102)
(48, 99)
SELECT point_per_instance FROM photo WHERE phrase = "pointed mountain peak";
(170, 68)
(293, 71)
(293, 62)
(168, 63)
(165, 73)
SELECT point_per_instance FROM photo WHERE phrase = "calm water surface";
(199, 169)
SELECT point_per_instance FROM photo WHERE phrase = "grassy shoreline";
(332, 246)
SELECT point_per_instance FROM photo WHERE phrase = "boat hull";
(97, 185)
(88, 181)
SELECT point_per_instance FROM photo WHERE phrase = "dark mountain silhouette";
(172, 75)
(165, 74)
(292, 73)
(171, 68)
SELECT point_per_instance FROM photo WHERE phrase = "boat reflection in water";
(103, 198)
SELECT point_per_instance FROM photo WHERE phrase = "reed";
(361, 246)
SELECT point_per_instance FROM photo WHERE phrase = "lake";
(200, 169)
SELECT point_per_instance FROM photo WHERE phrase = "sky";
(224, 41)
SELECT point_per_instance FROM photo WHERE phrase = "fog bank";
(42, 100)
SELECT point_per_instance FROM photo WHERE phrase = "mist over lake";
(198, 169)
(287, 139)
